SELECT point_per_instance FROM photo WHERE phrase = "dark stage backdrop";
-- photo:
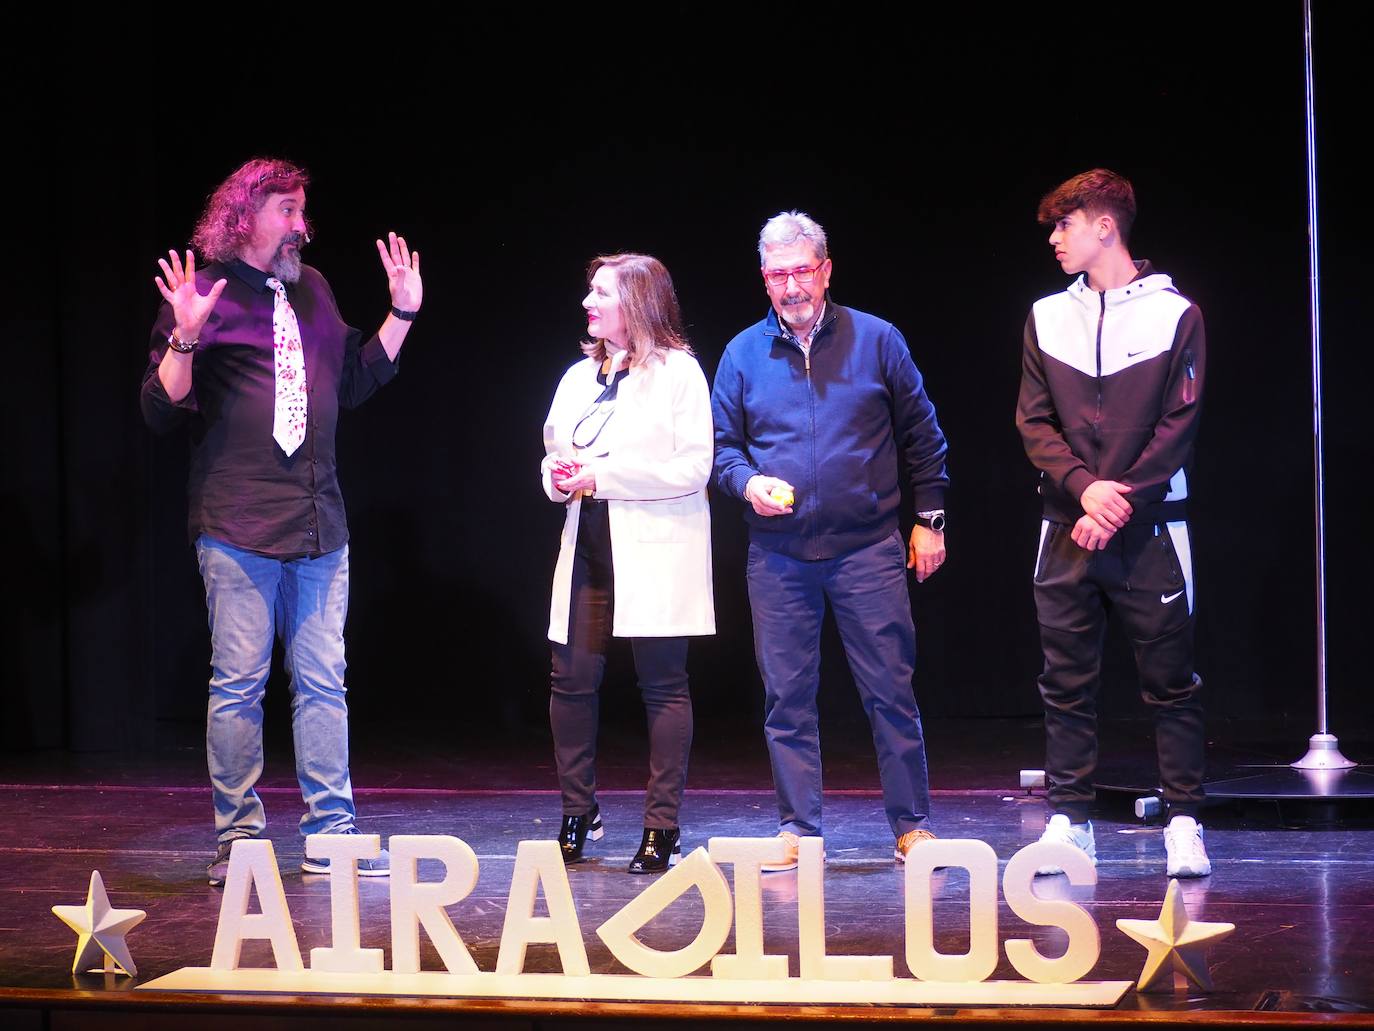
(509, 154)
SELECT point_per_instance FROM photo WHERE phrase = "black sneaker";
(378, 866)
(219, 866)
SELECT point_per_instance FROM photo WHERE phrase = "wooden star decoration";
(1175, 943)
(100, 931)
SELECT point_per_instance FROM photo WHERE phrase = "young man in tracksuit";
(1111, 388)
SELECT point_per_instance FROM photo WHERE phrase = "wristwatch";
(933, 520)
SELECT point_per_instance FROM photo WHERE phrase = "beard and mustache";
(798, 309)
(286, 262)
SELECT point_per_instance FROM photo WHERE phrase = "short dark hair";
(1097, 192)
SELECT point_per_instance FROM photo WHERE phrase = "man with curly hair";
(253, 357)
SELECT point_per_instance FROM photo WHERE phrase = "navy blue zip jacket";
(831, 426)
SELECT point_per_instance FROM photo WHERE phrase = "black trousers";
(578, 666)
(1144, 576)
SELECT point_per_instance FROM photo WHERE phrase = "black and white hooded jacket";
(1111, 389)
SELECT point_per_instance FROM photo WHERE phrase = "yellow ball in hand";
(782, 496)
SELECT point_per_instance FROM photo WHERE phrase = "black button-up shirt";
(243, 489)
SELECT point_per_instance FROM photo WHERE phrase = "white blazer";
(656, 458)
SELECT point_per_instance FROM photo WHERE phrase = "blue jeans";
(252, 599)
(867, 591)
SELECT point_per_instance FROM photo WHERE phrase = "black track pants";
(1144, 575)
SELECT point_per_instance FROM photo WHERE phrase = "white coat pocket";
(662, 522)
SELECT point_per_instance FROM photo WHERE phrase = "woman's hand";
(559, 471)
(583, 477)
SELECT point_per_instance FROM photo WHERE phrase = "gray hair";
(787, 228)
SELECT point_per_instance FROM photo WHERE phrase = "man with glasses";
(812, 407)
(255, 359)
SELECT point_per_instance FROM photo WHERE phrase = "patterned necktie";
(288, 425)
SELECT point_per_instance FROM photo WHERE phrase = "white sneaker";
(1186, 851)
(1061, 832)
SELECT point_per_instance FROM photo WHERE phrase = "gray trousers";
(578, 666)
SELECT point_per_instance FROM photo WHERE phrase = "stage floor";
(1297, 881)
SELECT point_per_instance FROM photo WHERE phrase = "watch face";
(937, 522)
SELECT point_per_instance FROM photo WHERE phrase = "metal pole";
(1323, 750)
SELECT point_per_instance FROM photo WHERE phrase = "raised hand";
(191, 308)
(402, 272)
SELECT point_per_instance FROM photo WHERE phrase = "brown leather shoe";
(907, 840)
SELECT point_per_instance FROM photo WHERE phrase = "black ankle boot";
(576, 830)
(660, 849)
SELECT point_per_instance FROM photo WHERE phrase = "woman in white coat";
(628, 452)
